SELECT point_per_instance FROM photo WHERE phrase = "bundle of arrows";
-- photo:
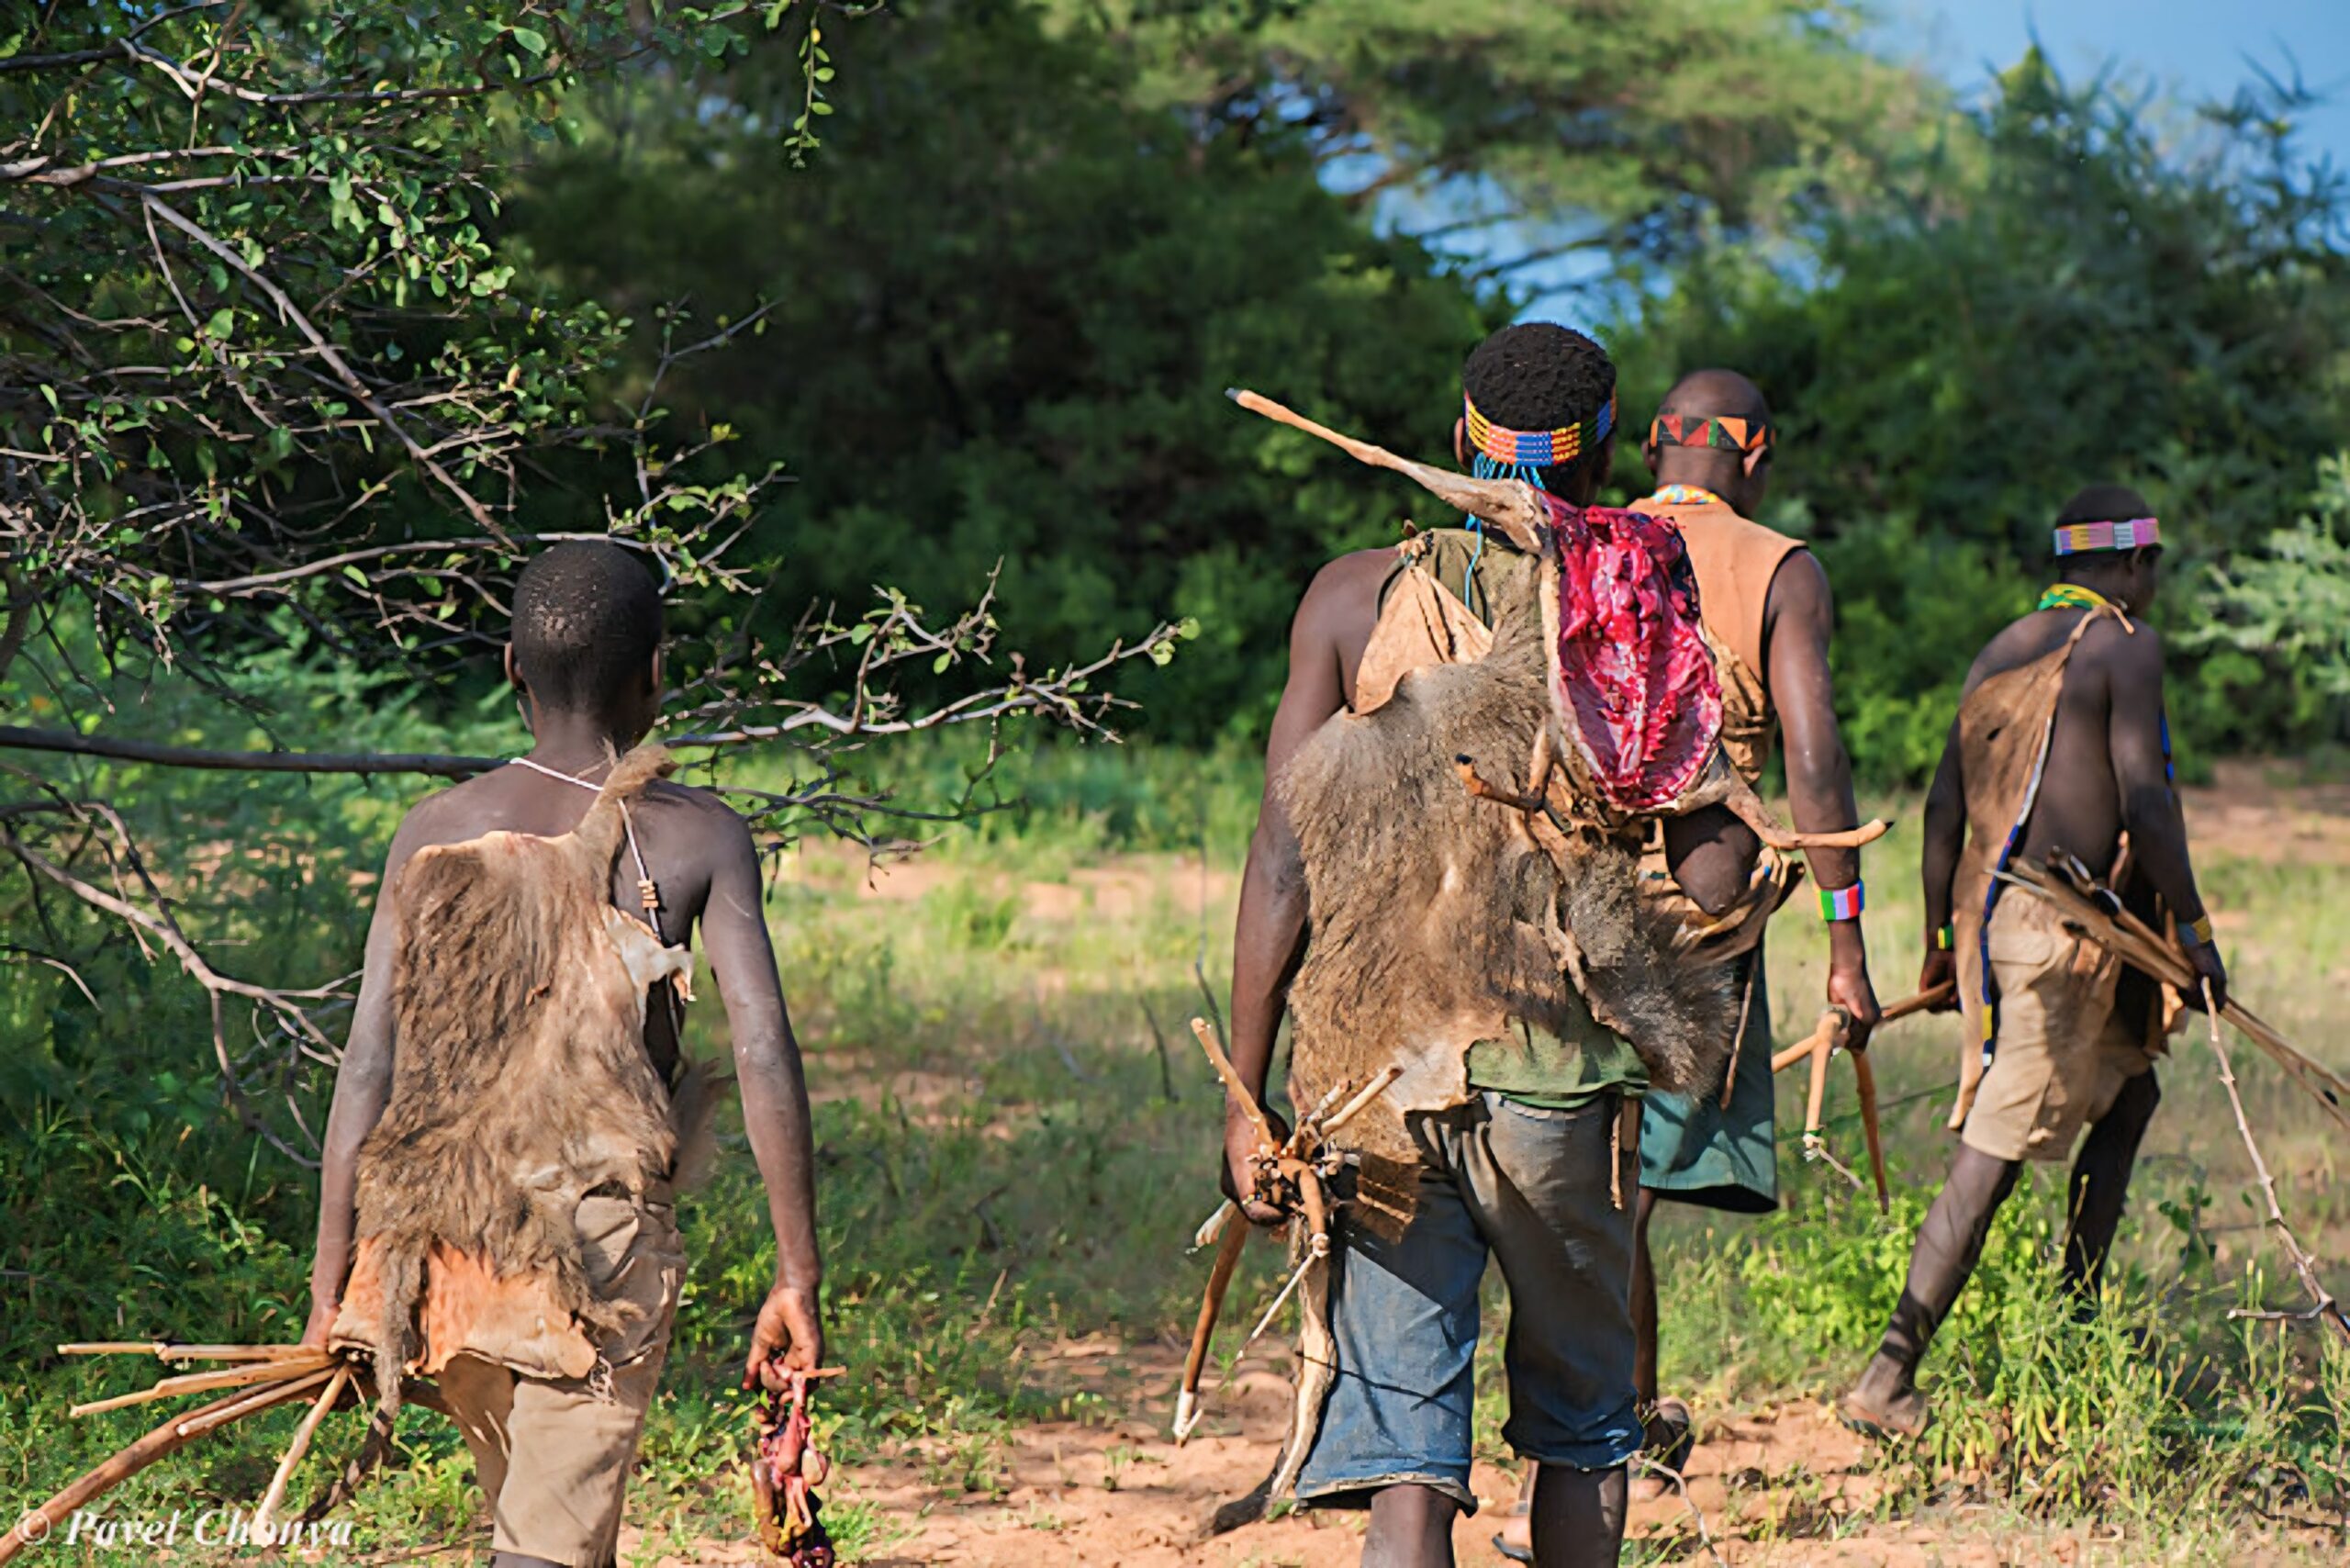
(255, 1378)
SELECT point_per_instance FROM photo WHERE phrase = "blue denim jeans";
(1531, 1188)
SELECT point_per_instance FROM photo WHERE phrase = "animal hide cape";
(1437, 918)
(519, 1082)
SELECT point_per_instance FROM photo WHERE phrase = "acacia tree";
(1528, 138)
(267, 381)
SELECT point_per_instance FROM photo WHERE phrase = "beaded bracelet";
(1946, 937)
(2199, 929)
(1841, 904)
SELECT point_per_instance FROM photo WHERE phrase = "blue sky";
(2187, 51)
(2196, 47)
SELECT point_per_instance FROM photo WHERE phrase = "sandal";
(1669, 1435)
(1904, 1420)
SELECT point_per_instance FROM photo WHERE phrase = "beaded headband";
(2075, 538)
(1710, 429)
(1539, 449)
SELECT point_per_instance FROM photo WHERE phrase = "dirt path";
(1773, 1484)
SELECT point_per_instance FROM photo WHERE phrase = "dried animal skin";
(521, 1082)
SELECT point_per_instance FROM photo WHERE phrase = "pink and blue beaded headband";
(2076, 538)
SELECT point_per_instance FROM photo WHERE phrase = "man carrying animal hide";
(1769, 615)
(1516, 1124)
(512, 1107)
(2060, 746)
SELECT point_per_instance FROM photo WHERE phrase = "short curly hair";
(1539, 375)
(587, 623)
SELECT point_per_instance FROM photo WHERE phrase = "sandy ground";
(1774, 1487)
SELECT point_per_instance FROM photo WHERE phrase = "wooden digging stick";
(300, 1446)
(1227, 1259)
(36, 1523)
(207, 1382)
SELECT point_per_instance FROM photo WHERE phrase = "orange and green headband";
(1538, 449)
(1710, 429)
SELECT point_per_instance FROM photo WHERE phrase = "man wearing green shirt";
(1540, 1166)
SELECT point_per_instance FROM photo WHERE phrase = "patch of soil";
(2269, 812)
(1771, 1486)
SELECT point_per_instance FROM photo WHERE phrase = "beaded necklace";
(1682, 496)
(2073, 596)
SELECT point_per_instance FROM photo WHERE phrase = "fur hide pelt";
(521, 1082)
(1437, 918)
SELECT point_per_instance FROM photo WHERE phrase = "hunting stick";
(1232, 1084)
(300, 1446)
(37, 1523)
(203, 1421)
(1864, 1080)
(2327, 1308)
(1509, 504)
(207, 1383)
(163, 1351)
(1227, 1259)
(1924, 1002)
(2083, 905)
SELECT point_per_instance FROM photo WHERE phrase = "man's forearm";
(1821, 798)
(1267, 938)
(1938, 864)
(358, 1104)
(775, 1115)
(2158, 844)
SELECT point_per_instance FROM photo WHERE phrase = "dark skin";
(703, 858)
(2105, 777)
(1578, 1514)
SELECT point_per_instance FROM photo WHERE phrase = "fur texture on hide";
(520, 1079)
(1438, 918)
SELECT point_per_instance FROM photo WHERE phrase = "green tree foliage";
(1004, 305)
(278, 419)
(1516, 134)
(2064, 295)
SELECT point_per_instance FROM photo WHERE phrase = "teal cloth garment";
(1693, 1151)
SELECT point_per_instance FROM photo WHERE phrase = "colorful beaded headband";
(2073, 538)
(1710, 429)
(1539, 449)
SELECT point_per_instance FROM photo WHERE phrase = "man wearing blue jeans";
(1538, 1166)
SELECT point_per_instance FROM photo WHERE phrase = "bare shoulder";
(1799, 587)
(707, 822)
(1346, 591)
(2128, 655)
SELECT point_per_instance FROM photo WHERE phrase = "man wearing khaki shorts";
(496, 1211)
(2060, 746)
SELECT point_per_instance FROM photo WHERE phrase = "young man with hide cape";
(512, 1108)
(1453, 935)
(1769, 615)
(2060, 746)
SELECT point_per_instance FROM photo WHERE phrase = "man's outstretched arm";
(2150, 813)
(363, 1087)
(775, 1098)
(1820, 771)
(1268, 938)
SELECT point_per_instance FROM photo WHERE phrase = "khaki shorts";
(553, 1454)
(2061, 1053)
